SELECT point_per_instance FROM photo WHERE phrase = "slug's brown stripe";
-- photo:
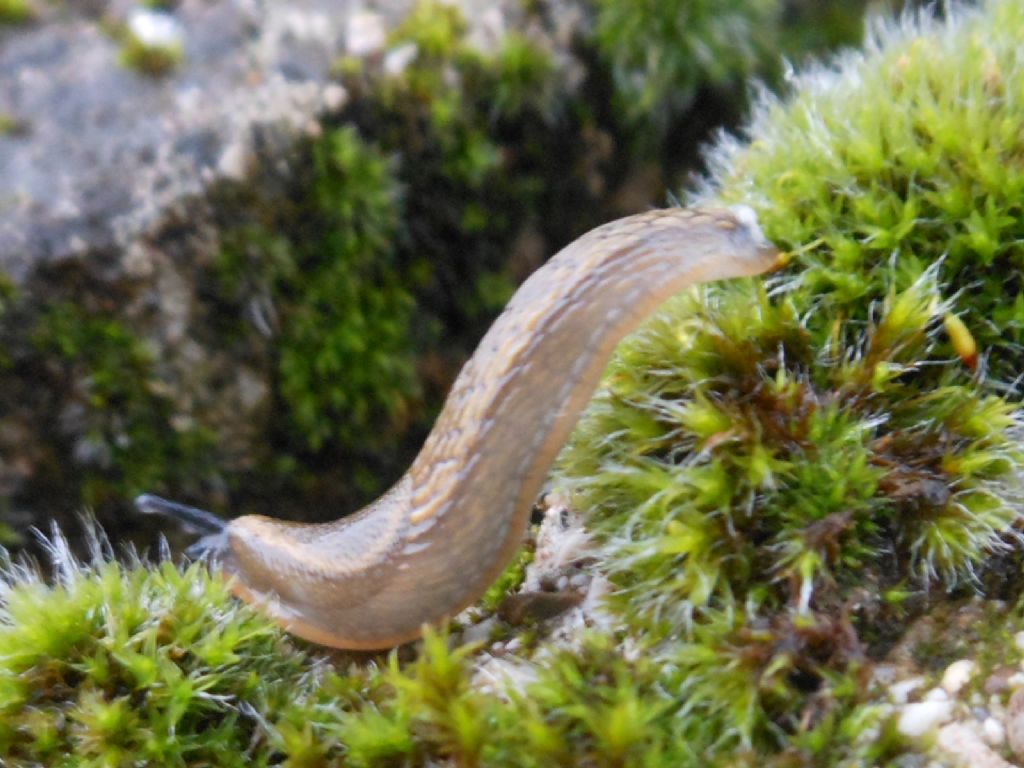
(436, 541)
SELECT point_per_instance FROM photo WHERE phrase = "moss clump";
(912, 151)
(662, 52)
(759, 480)
(424, 216)
(127, 439)
(115, 665)
(150, 59)
(15, 11)
(345, 361)
(775, 463)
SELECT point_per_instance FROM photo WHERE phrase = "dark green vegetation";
(782, 474)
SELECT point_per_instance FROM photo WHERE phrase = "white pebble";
(334, 97)
(156, 29)
(993, 731)
(365, 34)
(957, 675)
(1018, 640)
(900, 692)
(963, 747)
(917, 719)
(936, 694)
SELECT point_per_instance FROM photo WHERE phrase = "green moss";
(345, 363)
(116, 665)
(509, 582)
(332, 297)
(11, 126)
(425, 214)
(909, 151)
(128, 443)
(152, 60)
(661, 52)
(15, 11)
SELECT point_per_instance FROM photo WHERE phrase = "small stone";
(156, 29)
(365, 34)
(900, 692)
(957, 675)
(999, 680)
(1018, 640)
(993, 731)
(1015, 722)
(917, 719)
(936, 694)
(234, 161)
(967, 749)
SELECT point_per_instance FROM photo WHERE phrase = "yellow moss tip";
(962, 340)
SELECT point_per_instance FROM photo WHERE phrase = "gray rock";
(107, 152)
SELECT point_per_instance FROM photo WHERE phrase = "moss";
(424, 214)
(16, 11)
(116, 665)
(661, 53)
(910, 150)
(12, 126)
(128, 442)
(345, 363)
(148, 59)
(775, 459)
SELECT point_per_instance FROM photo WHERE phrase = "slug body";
(434, 543)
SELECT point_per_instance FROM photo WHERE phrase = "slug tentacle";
(435, 542)
(213, 542)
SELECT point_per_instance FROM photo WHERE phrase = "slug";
(432, 544)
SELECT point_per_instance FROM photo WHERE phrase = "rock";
(1015, 722)
(919, 718)
(900, 692)
(957, 675)
(964, 747)
(993, 731)
(365, 34)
